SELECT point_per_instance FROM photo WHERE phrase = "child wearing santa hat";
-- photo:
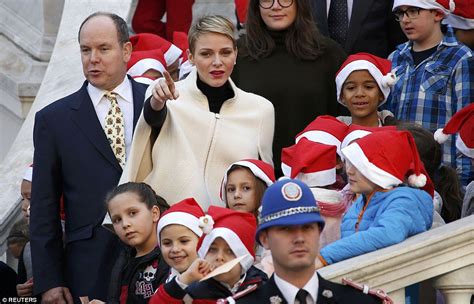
(231, 237)
(462, 21)
(463, 123)
(146, 66)
(244, 183)
(363, 84)
(386, 212)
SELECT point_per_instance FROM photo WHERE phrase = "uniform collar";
(289, 291)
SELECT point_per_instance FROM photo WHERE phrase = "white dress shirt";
(289, 291)
(349, 8)
(125, 102)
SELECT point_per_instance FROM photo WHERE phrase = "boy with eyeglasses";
(435, 73)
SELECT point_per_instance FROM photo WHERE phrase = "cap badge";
(275, 300)
(291, 192)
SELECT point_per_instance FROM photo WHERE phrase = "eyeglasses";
(411, 13)
(267, 4)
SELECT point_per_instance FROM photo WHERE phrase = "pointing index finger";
(169, 81)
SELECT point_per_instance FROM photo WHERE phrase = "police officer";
(289, 226)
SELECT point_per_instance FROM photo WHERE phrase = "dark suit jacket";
(328, 293)
(73, 158)
(372, 27)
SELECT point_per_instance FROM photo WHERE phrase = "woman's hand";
(163, 90)
(198, 270)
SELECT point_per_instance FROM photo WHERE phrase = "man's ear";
(263, 237)
(127, 51)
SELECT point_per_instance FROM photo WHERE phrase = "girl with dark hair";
(448, 197)
(135, 209)
(284, 58)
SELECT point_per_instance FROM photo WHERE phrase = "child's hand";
(198, 270)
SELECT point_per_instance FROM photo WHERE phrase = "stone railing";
(445, 255)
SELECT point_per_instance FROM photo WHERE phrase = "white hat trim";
(172, 54)
(356, 134)
(144, 80)
(180, 218)
(461, 145)
(356, 156)
(425, 4)
(143, 65)
(234, 243)
(326, 195)
(28, 175)
(322, 137)
(358, 65)
(459, 22)
(313, 179)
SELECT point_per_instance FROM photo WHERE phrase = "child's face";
(133, 222)
(421, 28)
(25, 189)
(241, 191)
(219, 253)
(361, 94)
(358, 182)
(178, 246)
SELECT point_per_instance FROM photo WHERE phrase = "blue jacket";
(389, 218)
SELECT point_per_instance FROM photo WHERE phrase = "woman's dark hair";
(303, 39)
(146, 194)
(445, 178)
(260, 186)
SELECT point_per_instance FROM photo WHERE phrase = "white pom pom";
(452, 6)
(389, 80)
(417, 180)
(206, 223)
(440, 137)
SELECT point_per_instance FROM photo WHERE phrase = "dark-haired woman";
(284, 58)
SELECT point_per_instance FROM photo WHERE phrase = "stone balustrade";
(444, 254)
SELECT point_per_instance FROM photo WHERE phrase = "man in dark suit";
(371, 25)
(289, 226)
(74, 158)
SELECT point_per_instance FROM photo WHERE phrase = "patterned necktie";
(114, 128)
(301, 296)
(338, 21)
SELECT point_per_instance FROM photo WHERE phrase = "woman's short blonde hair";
(211, 24)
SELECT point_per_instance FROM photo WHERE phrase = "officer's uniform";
(291, 202)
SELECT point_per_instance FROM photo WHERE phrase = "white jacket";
(195, 146)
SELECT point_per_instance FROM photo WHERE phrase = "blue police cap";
(288, 202)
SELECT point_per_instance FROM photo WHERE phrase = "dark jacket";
(299, 89)
(119, 292)
(73, 159)
(328, 293)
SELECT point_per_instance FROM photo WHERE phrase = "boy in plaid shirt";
(435, 73)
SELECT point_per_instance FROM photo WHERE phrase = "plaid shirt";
(430, 93)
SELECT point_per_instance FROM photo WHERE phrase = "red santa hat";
(462, 122)
(28, 175)
(237, 229)
(446, 6)
(259, 168)
(180, 39)
(355, 132)
(310, 162)
(389, 158)
(325, 129)
(379, 68)
(148, 41)
(463, 15)
(142, 61)
(187, 213)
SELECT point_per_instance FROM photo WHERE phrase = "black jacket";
(328, 293)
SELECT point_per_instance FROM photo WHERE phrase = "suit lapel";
(138, 98)
(325, 292)
(320, 15)
(85, 118)
(360, 9)
(271, 293)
